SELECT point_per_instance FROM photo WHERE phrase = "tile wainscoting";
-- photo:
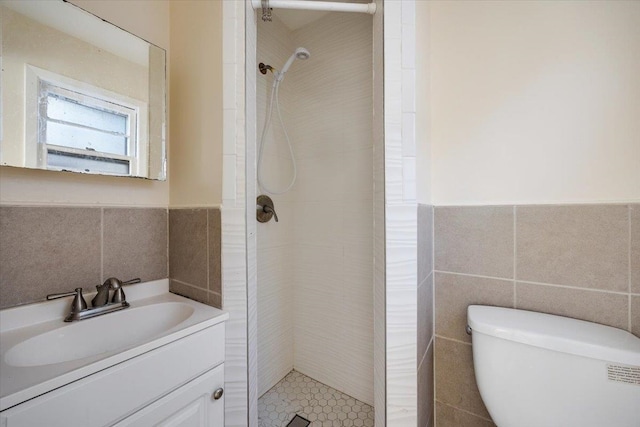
(425, 316)
(580, 261)
(195, 253)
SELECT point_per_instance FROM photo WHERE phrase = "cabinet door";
(192, 405)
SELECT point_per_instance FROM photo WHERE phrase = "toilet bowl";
(540, 370)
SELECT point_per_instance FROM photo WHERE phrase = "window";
(83, 128)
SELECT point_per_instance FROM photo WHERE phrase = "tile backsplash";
(46, 250)
(580, 261)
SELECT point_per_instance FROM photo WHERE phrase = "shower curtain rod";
(330, 6)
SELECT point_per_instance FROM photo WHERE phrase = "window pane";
(60, 108)
(83, 139)
(68, 161)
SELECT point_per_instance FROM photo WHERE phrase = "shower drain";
(298, 421)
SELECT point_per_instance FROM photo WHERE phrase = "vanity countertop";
(23, 378)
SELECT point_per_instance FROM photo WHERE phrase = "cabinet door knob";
(218, 393)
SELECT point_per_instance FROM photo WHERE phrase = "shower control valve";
(265, 209)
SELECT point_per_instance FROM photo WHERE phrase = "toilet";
(540, 370)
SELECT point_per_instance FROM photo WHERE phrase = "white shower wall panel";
(274, 240)
(275, 317)
(333, 204)
(315, 266)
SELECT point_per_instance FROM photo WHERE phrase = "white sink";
(39, 352)
(98, 335)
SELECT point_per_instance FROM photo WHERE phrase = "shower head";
(300, 53)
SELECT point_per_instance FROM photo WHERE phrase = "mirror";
(78, 93)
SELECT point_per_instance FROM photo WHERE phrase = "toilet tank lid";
(556, 333)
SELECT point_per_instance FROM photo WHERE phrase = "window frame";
(41, 82)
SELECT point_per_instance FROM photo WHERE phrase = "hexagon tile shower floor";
(322, 405)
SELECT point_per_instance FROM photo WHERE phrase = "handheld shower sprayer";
(300, 53)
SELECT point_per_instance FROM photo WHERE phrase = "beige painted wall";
(149, 20)
(195, 156)
(534, 102)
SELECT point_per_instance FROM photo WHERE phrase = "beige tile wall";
(195, 253)
(425, 316)
(580, 261)
(47, 250)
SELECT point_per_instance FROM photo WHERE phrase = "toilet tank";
(536, 369)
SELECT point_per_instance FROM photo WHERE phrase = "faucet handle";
(78, 303)
(118, 293)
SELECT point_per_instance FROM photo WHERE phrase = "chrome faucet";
(100, 302)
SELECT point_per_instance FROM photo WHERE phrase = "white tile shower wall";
(234, 228)
(379, 300)
(333, 203)
(252, 267)
(329, 213)
(400, 213)
(274, 239)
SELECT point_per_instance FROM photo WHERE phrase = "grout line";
(433, 307)
(190, 285)
(504, 279)
(629, 309)
(208, 262)
(452, 339)
(424, 282)
(629, 265)
(167, 248)
(101, 245)
(604, 291)
(424, 356)
(534, 283)
(464, 410)
(515, 254)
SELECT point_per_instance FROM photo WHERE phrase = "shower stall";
(315, 266)
(323, 303)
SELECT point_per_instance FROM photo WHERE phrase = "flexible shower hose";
(274, 94)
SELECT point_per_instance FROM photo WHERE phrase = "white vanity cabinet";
(170, 377)
(173, 379)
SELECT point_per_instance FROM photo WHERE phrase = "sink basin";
(98, 335)
(39, 352)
